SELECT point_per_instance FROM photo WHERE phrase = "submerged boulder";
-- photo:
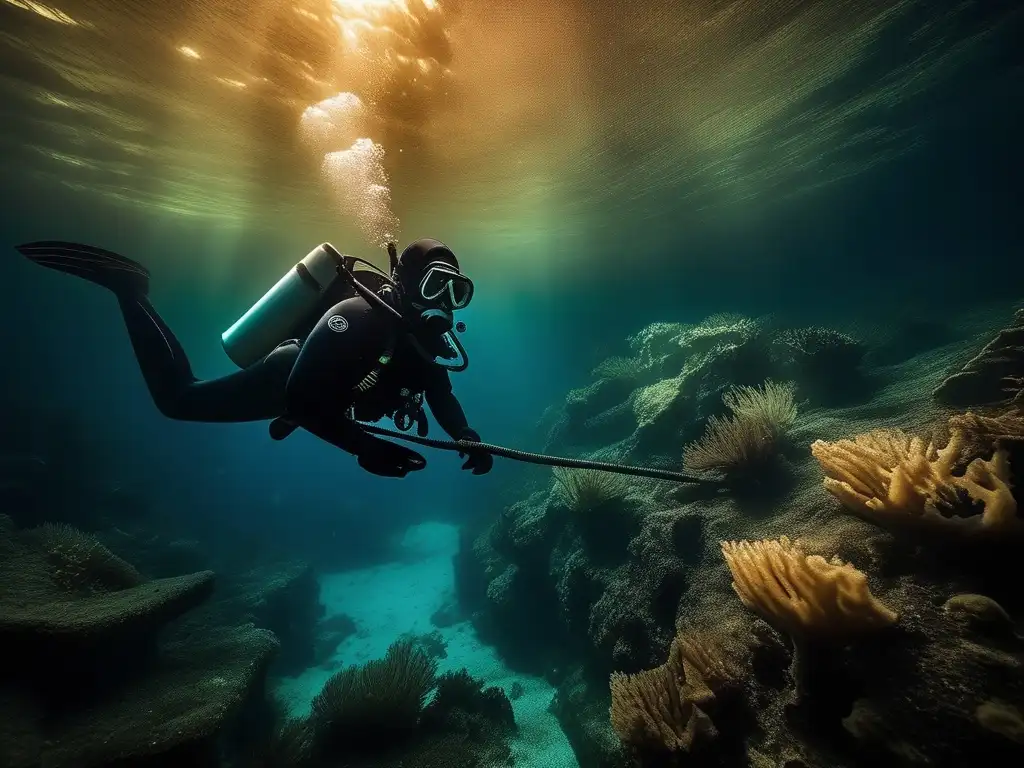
(994, 375)
(85, 681)
(173, 714)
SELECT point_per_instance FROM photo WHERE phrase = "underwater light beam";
(352, 164)
(336, 128)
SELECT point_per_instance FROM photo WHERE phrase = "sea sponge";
(805, 596)
(895, 480)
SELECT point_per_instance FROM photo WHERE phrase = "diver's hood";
(431, 333)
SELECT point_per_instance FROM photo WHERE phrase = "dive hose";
(467, 446)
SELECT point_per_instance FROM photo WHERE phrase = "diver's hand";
(390, 460)
(479, 461)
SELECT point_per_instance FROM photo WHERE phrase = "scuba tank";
(273, 318)
(292, 308)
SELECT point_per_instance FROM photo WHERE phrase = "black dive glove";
(479, 461)
(389, 459)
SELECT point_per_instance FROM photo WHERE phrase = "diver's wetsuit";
(313, 382)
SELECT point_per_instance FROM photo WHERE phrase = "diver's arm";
(446, 407)
(449, 414)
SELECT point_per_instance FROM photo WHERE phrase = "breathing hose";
(467, 446)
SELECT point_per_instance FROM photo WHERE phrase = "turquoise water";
(664, 209)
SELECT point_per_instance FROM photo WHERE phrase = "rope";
(466, 446)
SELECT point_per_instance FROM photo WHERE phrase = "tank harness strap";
(369, 381)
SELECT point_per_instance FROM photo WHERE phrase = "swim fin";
(122, 276)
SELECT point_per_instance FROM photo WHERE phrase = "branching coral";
(982, 432)
(805, 596)
(896, 480)
(651, 710)
(760, 418)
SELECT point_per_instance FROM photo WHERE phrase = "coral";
(994, 375)
(706, 663)
(585, 490)
(459, 691)
(981, 433)
(360, 707)
(895, 480)
(601, 513)
(804, 596)
(750, 437)
(826, 363)
(651, 710)
(374, 717)
(823, 345)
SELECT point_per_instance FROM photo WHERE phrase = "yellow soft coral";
(895, 480)
(805, 596)
(652, 710)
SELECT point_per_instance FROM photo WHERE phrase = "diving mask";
(446, 287)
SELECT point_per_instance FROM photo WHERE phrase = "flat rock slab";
(201, 680)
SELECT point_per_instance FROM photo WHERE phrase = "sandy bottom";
(390, 599)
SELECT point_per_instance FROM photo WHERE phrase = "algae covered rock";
(994, 375)
(177, 709)
(979, 613)
(282, 597)
(37, 606)
(85, 682)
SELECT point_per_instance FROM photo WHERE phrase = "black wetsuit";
(322, 381)
(312, 382)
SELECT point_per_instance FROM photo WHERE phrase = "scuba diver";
(321, 351)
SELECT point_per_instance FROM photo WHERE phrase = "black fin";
(118, 274)
(281, 427)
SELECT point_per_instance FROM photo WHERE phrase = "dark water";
(596, 167)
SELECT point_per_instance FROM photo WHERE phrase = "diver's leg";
(254, 394)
